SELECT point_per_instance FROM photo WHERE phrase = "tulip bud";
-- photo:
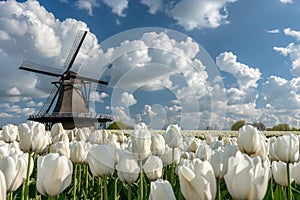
(4, 149)
(173, 136)
(101, 160)
(128, 168)
(78, 151)
(57, 129)
(203, 152)
(157, 144)
(249, 140)
(296, 172)
(153, 167)
(61, 148)
(54, 174)
(161, 189)
(141, 141)
(10, 133)
(280, 173)
(167, 156)
(96, 137)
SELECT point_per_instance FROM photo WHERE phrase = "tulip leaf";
(279, 193)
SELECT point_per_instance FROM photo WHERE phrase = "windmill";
(70, 92)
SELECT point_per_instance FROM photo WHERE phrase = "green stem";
(172, 168)
(10, 195)
(141, 180)
(101, 188)
(79, 177)
(105, 189)
(27, 178)
(218, 189)
(129, 191)
(116, 188)
(75, 181)
(289, 192)
(86, 179)
(23, 191)
(51, 198)
(272, 192)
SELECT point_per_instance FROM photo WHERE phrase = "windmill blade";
(88, 79)
(46, 107)
(32, 67)
(75, 49)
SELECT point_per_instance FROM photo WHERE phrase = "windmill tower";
(72, 106)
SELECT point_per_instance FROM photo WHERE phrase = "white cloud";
(293, 33)
(128, 99)
(88, 5)
(200, 14)
(273, 31)
(286, 1)
(97, 97)
(246, 76)
(13, 91)
(293, 51)
(154, 5)
(117, 6)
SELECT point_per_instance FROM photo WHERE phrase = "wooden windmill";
(72, 106)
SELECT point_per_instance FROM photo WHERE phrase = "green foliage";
(237, 125)
(281, 127)
(118, 126)
(259, 125)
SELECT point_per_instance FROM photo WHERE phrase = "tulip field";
(147, 164)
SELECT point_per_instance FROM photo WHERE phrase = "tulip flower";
(217, 161)
(14, 168)
(141, 141)
(286, 148)
(247, 178)
(96, 137)
(57, 129)
(2, 186)
(83, 134)
(161, 189)
(197, 181)
(62, 148)
(153, 167)
(167, 156)
(54, 174)
(203, 152)
(128, 168)
(10, 133)
(4, 149)
(173, 136)
(157, 144)
(78, 151)
(101, 160)
(32, 136)
(249, 140)
(296, 172)
(279, 173)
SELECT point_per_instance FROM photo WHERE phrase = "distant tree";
(237, 125)
(281, 127)
(118, 126)
(294, 129)
(259, 125)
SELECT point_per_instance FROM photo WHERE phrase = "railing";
(72, 115)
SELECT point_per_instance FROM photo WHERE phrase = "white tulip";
(209, 138)
(57, 129)
(63, 137)
(101, 160)
(157, 144)
(54, 174)
(167, 156)
(141, 141)
(203, 152)
(296, 172)
(14, 168)
(173, 136)
(279, 172)
(128, 168)
(32, 137)
(153, 167)
(78, 151)
(161, 189)
(286, 148)
(10, 133)
(197, 181)
(4, 149)
(217, 161)
(83, 134)
(96, 137)
(249, 140)
(2, 186)
(14, 149)
(62, 148)
(247, 178)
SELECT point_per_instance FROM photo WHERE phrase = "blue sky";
(250, 71)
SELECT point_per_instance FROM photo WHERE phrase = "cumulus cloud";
(293, 33)
(286, 1)
(128, 99)
(117, 6)
(88, 5)
(95, 96)
(201, 13)
(273, 31)
(154, 5)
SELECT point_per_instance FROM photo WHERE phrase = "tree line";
(260, 126)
